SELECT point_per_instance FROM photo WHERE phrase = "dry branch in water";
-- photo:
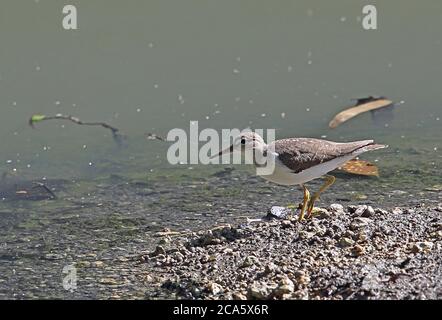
(116, 135)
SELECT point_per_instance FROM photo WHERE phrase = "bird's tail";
(370, 147)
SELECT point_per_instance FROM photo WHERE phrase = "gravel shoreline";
(355, 252)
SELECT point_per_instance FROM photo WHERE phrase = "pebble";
(424, 246)
(358, 250)
(159, 250)
(368, 212)
(257, 291)
(238, 296)
(270, 268)
(248, 262)
(279, 212)
(346, 242)
(285, 286)
(306, 235)
(286, 224)
(360, 222)
(98, 264)
(360, 210)
(302, 277)
(381, 211)
(108, 281)
(214, 288)
(397, 211)
(336, 208)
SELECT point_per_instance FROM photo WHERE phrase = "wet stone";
(279, 212)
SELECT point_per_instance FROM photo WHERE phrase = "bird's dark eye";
(243, 141)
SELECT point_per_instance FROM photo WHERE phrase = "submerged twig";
(116, 135)
(153, 136)
(42, 185)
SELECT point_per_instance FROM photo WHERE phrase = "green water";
(151, 66)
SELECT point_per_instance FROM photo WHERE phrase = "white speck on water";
(15, 133)
(28, 165)
(390, 65)
(309, 12)
(74, 104)
(238, 59)
(309, 62)
(138, 109)
(193, 123)
(14, 169)
(14, 103)
(216, 105)
(343, 19)
(386, 125)
(307, 109)
(251, 101)
(150, 45)
(358, 18)
(235, 71)
(84, 146)
(8, 161)
(90, 163)
(237, 99)
(217, 111)
(282, 115)
(335, 96)
(402, 137)
(437, 119)
(309, 54)
(289, 68)
(37, 68)
(263, 115)
(207, 117)
(435, 148)
(57, 103)
(156, 86)
(324, 136)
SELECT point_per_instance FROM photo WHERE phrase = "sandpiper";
(299, 160)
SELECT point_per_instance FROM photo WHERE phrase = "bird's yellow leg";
(329, 180)
(304, 202)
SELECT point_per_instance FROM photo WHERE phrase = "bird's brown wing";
(299, 154)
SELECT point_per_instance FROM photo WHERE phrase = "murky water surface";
(156, 65)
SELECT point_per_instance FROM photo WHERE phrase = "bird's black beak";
(228, 150)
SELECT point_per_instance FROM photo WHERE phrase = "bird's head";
(246, 142)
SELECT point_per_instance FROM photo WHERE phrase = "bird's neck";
(260, 155)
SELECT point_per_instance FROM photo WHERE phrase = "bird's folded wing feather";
(299, 154)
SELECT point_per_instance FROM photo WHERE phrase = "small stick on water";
(116, 135)
(153, 136)
(42, 185)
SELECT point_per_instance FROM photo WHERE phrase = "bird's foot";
(315, 211)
